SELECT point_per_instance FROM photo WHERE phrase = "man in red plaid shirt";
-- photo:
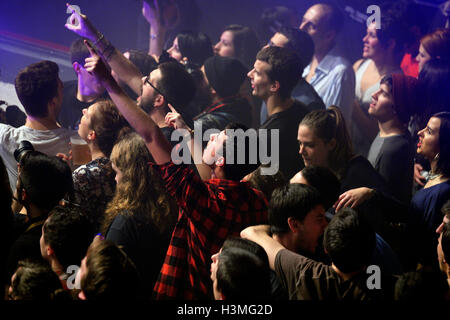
(210, 211)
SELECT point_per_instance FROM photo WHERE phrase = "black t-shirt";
(72, 108)
(27, 244)
(143, 243)
(287, 123)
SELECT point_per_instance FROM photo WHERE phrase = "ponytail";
(327, 125)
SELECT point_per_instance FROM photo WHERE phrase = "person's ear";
(159, 101)
(294, 224)
(76, 67)
(275, 86)
(220, 162)
(50, 251)
(81, 295)
(92, 135)
(332, 144)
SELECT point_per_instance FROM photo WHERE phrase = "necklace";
(433, 176)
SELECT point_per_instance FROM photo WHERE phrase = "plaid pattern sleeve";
(210, 211)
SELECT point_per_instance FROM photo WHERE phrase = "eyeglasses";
(155, 88)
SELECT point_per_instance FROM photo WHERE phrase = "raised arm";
(175, 120)
(260, 235)
(124, 68)
(157, 32)
(154, 138)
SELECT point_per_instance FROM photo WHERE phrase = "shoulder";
(357, 64)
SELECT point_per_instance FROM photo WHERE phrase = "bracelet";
(100, 38)
(153, 36)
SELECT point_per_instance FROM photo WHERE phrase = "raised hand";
(84, 27)
(174, 119)
(95, 65)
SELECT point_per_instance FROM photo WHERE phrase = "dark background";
(123, 24)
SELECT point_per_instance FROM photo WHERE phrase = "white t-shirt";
(49, 142)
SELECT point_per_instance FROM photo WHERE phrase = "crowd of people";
(358, 207)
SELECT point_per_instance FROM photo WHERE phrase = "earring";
(436, 157)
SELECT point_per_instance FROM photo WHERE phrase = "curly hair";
(140, 191)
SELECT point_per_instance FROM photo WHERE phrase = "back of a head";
(437, 43)
(45, 179)
(286, 67)
(349, 240)
(78, 51)
(36, 86)
(445, 242)
(333, 17)
(110, 274)
(107, 122)
(443, 161)
(327, 125)
(325, 181)
(243, 275)
(267, 183)
(300, 42)
(422, 285)
(196, 46)
(69, 233)
(176, 84)
(225, 75)
(435, 79)
(143, 61)
(246, 43)
(292, 200)
(393, 28)
(234, 168)
(37, 281)
(273, 19)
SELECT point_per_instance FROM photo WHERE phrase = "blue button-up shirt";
(334, 81)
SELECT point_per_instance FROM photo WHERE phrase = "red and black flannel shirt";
(210, 212)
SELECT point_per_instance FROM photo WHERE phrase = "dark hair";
(110, 273)
(285, 67)
(421, 285)
(443, 162)
(69, 233)
(45, 179)
(445, 242)
(143, 61)
(300, 42)
(107, 122)
(176, 84)
(349, 241)
(246, 43)
(78, 51)
(253, 247)
(274, 18)
(325, 181)
(446, 209)
(294, 200)
(393, 28)
(435, 79)
(267, 183)
(37, 281)
(233, 169)
(36, 86)
(404, 93)
(243, 274)
(196, 46)
(327, 125)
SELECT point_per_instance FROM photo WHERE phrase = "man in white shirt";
(330, 74)
(40, 91)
